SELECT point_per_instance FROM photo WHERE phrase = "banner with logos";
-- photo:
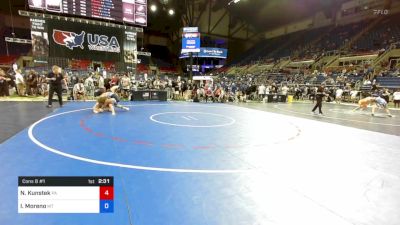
(75, 40)
(130, 47)
(221, 53)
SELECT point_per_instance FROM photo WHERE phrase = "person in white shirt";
(261, 91)
(396, 98)
(353, 95)
(126, 85)
(268, 89)
(339, 93)
(367, 82)
(101, 82)
(284, 90)
(19, 81)
(89, 85)
(79, 91)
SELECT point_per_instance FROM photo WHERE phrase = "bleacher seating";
(381, 36)
(320, 79)
(300, 47)
(355, 78)
(339, 36)
(389, 82)
(304, 44)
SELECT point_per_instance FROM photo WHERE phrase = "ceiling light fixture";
(153, 8)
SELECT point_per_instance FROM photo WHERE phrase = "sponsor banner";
(221, 53)
(130, 46)
(40, 39)
(87, 41)
(190, 30)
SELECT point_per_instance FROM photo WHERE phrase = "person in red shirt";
(115, 80)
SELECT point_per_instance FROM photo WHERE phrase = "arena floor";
(215, 164)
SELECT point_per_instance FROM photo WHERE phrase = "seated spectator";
(209, 94)
(79, 91)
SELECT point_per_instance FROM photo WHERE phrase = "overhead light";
(233, 2)
(171, 12)
(153, 8)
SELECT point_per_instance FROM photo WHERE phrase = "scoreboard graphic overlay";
(65, 194)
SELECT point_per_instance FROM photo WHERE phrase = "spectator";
(115, 80)
(338, 97)
(43, 85)
(19, 80)
(4, 84)
(385, 94)
(126, 86)
(32, 83)
(284, 90)
(396, 98)
(74, 80)
(353, 95)
(79, 91)
(261, 91)
(89, 85)
(101, 82)
(107, 83)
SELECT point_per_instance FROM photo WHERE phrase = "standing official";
(319, 96)
(55, 79)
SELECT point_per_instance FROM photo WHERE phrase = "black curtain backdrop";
(56, 50)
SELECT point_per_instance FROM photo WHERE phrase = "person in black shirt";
(4, 81)
(55, 79)
(107, 83)
(32, 83)
(319, 95)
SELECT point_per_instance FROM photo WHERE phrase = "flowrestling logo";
(96, 42)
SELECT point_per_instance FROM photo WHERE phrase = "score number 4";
(106, 199)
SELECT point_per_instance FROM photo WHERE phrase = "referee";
(55, 78)
(319, 95)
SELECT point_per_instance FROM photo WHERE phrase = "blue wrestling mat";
(173, 164)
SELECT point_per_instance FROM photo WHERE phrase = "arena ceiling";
(268, 14)
(263, 15)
